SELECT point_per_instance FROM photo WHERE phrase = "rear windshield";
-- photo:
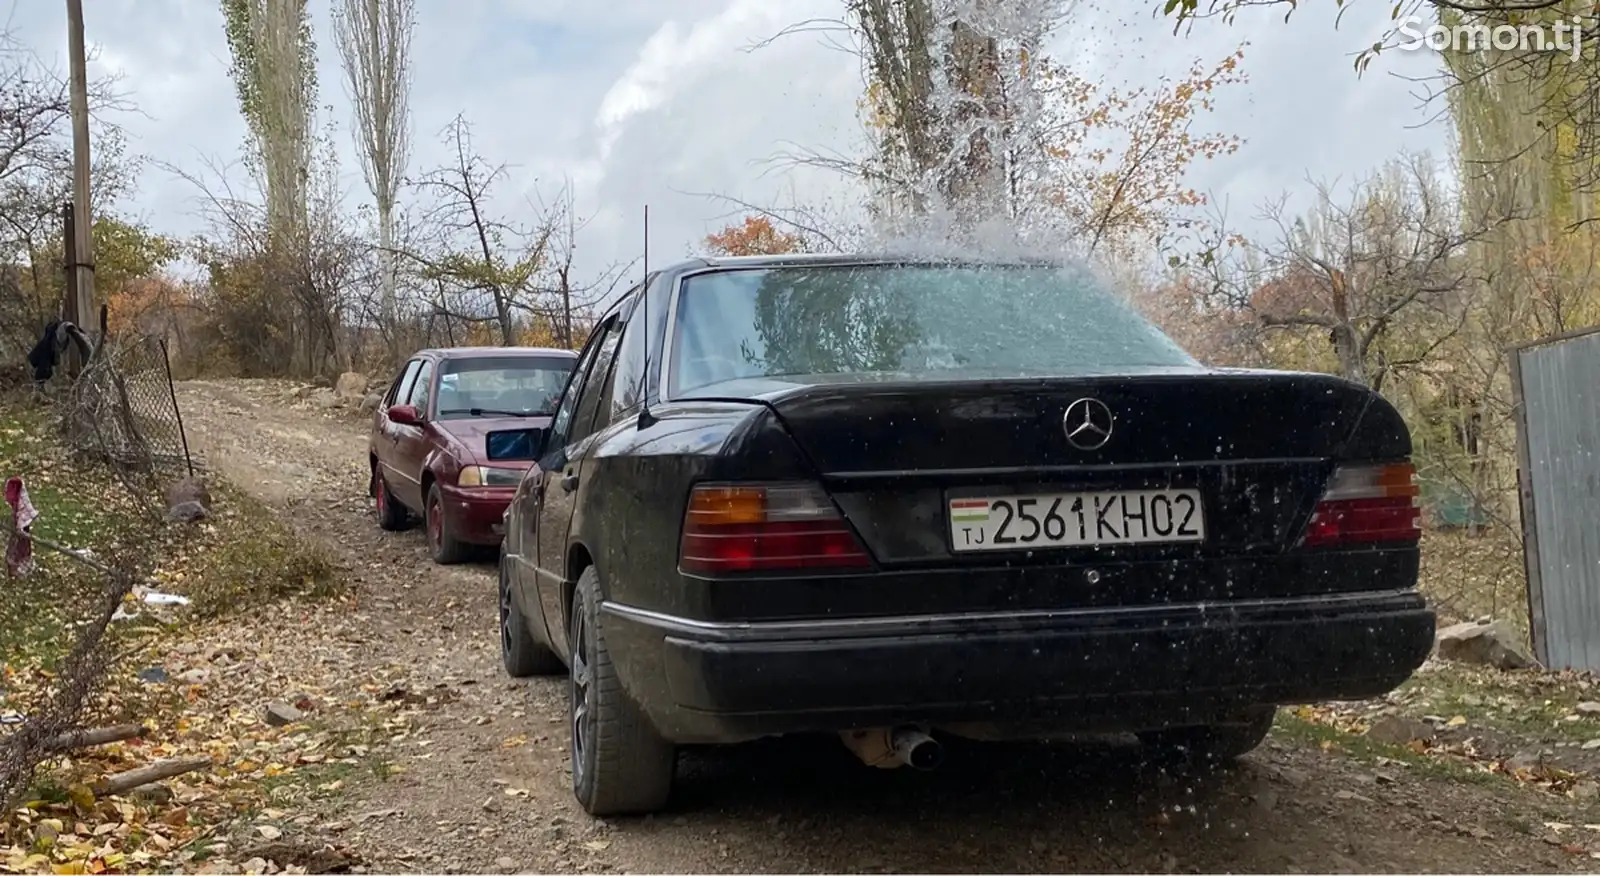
(907, 320)
(504, 386)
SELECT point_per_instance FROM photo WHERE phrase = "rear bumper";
(1093, 670)
(477, 514)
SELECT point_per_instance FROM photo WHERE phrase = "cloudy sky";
(662, 101)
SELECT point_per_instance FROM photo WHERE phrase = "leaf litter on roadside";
(1468, 716)
(211, 704)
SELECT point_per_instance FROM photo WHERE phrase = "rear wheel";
(522, 654)
(392, 515)
(620, 765)
(1214, 743)
(442, 543)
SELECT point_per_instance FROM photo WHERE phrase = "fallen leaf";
(81, 797)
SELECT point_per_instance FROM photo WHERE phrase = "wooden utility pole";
(82, 285)
(69, 261)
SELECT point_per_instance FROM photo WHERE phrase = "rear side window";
(595, 386)
(627, 376)
(561, 427)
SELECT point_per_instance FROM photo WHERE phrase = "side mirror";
(521, 444)
(404, 415)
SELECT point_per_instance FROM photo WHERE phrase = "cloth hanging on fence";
(46, 355)
(19, 549)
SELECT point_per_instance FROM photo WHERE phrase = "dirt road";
(484, 785)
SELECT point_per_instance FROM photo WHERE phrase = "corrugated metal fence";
(1557, 384)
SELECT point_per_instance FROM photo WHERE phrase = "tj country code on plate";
(1054, 520)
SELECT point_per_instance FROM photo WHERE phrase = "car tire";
(522, 654)
(392, 516)
(1214, 743)
(442, 544)
(620, 764)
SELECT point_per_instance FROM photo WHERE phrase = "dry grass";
(80, 509)
(247, 558)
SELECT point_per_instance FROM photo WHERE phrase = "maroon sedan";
(427, 446)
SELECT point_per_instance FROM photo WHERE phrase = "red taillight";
(1365, 504)
(766, 527)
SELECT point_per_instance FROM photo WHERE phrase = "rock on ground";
(188, 500)
(350, 386)
(282, 714)
(1399, 730)
(1485, 644)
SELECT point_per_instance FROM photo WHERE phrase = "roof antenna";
(646, 420)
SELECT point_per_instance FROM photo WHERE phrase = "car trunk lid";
(1255, 446)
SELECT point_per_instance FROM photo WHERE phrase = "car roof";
(495, 352)
(885, 258)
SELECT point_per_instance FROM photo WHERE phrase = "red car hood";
(471, 432)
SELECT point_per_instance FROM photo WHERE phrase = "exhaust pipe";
(892, 747)
(917, 749)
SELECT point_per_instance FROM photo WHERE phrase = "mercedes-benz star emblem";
(1087, 423)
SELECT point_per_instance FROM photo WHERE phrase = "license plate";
(1058, 520)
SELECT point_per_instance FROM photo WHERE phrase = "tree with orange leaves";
(754, 236)
(1114, 163)
(975, 126)
(130, 261)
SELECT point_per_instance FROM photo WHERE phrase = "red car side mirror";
(404, 415)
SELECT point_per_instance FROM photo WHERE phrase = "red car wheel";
(444, 546)
(391, 514)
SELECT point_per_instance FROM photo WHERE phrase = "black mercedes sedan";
(904, 500)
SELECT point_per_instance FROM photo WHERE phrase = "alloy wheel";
(582, 694)
(435, 524)
(380, 495)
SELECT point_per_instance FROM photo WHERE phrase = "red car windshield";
(509, 386)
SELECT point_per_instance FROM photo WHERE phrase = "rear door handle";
(570, 482)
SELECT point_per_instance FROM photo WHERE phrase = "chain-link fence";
(59, 717)
(122, 411)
